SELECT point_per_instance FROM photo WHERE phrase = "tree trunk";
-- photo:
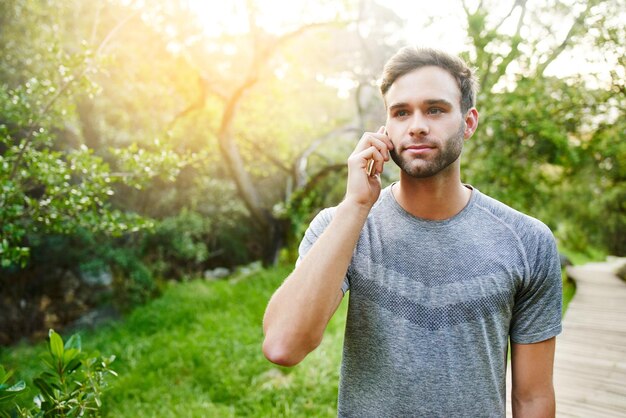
(275, 238)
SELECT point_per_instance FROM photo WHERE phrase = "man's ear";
(471, 123)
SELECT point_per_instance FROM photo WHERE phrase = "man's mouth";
(418, 149)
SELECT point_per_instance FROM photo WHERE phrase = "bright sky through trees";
(436, 24)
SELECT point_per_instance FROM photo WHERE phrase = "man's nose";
(419, 125)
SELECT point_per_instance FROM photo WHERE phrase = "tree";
(258, 51)
(538, 131)
(45, 188)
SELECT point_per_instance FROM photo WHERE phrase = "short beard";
(449, 152)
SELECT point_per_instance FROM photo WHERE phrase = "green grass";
(569, 289)
(196, 352)
(578, 257)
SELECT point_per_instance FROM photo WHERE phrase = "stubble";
(447, 152)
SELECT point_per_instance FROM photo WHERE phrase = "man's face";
(424, 121)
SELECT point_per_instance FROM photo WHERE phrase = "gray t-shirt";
(432, 305)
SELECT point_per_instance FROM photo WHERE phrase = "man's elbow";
(537, 406)
(279, 355)
(284, 354)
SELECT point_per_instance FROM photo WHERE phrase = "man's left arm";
(532, 394)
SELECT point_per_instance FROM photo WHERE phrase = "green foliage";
(204, 340)
(550, 146)
(8, 393)
(87, 88)
(569, 291)
(590, 254)
(72, 384)
(522, 153)
(46, 188)
(133, 282)
(178, 246)
(325, 190)
(144, 165)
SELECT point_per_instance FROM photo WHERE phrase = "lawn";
(196, 352)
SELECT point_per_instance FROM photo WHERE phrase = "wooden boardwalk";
(590, 363)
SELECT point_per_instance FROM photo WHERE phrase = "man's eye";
(435, 111)
(402, 113)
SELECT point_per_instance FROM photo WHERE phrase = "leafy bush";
(70, 386)
(178, 246)
(133, 283)
(8, 394)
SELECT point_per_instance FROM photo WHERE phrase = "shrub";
(70, 386)
(8, 394)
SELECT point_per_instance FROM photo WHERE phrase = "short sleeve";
(538, 303)
(313, 232)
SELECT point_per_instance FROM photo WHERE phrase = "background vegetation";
(144, 143)
(195, 353)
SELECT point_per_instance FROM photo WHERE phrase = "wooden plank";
(590, 359)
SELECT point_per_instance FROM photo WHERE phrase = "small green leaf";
(52, 379)
(18, 387)
(44, 387)
(74, 342)
(69, 355)
(5, 376)
(45, 358)
(56, 344)
(6, 397)
(72, 365)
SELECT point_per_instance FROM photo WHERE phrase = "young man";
(440, 275)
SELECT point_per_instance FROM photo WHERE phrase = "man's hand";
(363, 189)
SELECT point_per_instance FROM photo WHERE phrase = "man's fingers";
(372, 151)
(383, 135)
(369, 140)
(374, 161)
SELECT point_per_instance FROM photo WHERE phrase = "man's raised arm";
(299, 311)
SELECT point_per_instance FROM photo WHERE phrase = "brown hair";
(410, 58)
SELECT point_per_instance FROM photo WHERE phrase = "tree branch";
(515, 4)
(204, 91)
(261, 150)
(114, 31)
(465, 8)
(578, 23)
(301, 162)
(317, 178)
(515, 41)
(228, 148)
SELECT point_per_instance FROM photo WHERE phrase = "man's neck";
(436, 198)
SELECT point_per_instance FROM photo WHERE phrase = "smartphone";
(370, 163)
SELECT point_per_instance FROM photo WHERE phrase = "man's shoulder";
(523, 225)
(324, 216)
